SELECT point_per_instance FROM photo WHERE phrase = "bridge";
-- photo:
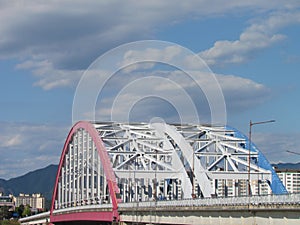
(155, 173)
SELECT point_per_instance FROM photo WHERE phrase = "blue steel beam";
(276, 184)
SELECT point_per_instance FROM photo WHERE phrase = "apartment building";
(6, 201)
(290, 179)
(232, 187)
(35, 201)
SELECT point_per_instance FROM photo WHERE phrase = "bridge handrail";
(224, 201)
(285, 199)
(70, 209)
(35, 217)
(83, 208)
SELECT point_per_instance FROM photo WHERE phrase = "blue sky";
(45, 47)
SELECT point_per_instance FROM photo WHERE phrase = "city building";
(35, 201)
(232, 187)
(6, 201)
(290, 179)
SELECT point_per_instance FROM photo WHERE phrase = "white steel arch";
(108, 162)
(146, 164)
(160, 161)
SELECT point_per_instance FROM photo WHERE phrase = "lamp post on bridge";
(249, 148)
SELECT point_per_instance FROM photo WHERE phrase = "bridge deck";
(284, 207)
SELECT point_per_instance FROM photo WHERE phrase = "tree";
(27, 211)
(9, 222)
(5, 213)
(20, 210)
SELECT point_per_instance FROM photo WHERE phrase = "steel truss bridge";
(105, 165)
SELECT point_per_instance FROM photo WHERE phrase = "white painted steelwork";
(82, 180)
(154, 161)
(160, 161)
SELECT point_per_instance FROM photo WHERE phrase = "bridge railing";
(44, 215)
(100, 207)
(228, 201)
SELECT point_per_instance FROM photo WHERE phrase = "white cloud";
(275, 145)
(22, 146)
(240, 95)
(48, 76)
(258, 36)
(166, 54)
(57, 41)
(69, 35)
(11, 140)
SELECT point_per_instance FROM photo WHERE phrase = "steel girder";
(107, 161)
(194, 156)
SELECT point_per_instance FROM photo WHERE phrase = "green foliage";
(27, 211)
(9, 222)
(20, 210)
(5, 213)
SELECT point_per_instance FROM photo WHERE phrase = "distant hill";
(3, 185)
(294, 166)
(38, 181)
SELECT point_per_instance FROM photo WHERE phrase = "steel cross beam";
(153, 161)
(196, 158)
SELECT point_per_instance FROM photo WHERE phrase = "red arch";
(108, 171)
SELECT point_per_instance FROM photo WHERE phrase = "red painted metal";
(108, 171)
(82, 216)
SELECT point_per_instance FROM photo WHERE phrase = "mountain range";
(38, 181)
(291, 166)
(42, 181)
